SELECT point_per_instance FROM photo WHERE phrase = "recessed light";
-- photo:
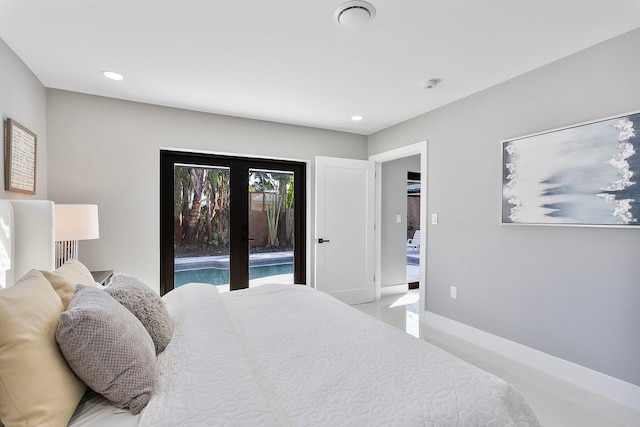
(354, 14)
(357, 118)
(112, 75)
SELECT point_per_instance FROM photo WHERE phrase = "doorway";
(232, 222)
(419, 148)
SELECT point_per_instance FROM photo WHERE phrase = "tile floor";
(555, 402)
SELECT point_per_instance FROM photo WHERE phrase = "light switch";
(399, 219)
(434, 218)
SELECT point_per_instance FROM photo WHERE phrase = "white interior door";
(344, 241)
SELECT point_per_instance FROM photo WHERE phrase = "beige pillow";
(37, 388)
(65, 278)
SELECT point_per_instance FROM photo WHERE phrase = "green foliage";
(215, 238)
(289, 203)
(201, 205)
(280, 185)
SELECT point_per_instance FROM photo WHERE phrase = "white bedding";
(288, 355)
(96, 411)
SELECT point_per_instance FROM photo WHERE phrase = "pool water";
(220, 276)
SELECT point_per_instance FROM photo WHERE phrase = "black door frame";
(239, 214)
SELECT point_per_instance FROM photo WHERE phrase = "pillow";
(65, 278)
(146, 305)
(108, 348)
(37, 388)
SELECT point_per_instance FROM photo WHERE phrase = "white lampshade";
(77, 222)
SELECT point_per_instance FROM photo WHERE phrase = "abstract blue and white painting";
(582, 175)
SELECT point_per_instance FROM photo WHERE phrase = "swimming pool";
(220, 276)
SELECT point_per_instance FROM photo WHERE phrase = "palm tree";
(201, 206)
(277, 184)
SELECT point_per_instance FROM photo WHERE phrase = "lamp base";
(66, 250)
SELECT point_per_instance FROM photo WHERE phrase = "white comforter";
(286, 355)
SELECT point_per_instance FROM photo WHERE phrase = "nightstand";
(102, 277)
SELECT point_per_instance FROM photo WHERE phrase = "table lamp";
(73, 223)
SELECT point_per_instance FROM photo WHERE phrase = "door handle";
(321, 240)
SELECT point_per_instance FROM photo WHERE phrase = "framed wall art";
(582, 175)
(19, 158)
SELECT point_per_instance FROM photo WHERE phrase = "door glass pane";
(201, 225)
(271, 226)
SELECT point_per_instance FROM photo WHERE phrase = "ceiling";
(288, 61)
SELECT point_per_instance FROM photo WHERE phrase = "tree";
(201, 206)
(219, 206)
(191, 210)
(289, 213)
(277, 185)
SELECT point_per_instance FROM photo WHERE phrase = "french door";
(232, 222)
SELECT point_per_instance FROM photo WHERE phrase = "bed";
(284, 355)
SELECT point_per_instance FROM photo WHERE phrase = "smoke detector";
(354, 14)
(430, 84)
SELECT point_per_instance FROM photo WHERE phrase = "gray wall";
(23, 99)
(394, 235)
(569, 292)
(106, 151)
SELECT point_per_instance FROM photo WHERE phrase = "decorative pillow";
(65, 278)
(146, 305)
(37, 388)
(108, 348)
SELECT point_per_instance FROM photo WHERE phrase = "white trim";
(386, 156)
(399, 153)
(377, 239)
(594, 381)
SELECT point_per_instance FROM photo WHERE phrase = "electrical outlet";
(454, 292)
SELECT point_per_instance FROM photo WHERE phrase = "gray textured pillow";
(108, 348)
(146, 305)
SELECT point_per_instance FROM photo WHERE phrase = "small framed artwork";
(582, 175)
(20, 158)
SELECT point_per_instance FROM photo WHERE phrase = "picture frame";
(581, 175)
(20, 154)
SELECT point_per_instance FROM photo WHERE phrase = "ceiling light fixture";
(112, 75)
(357, 118)
(354, 14)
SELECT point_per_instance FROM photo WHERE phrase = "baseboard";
(594, 381)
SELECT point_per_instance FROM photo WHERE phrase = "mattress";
(287, 355)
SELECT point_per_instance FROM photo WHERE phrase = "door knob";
(321, 240)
